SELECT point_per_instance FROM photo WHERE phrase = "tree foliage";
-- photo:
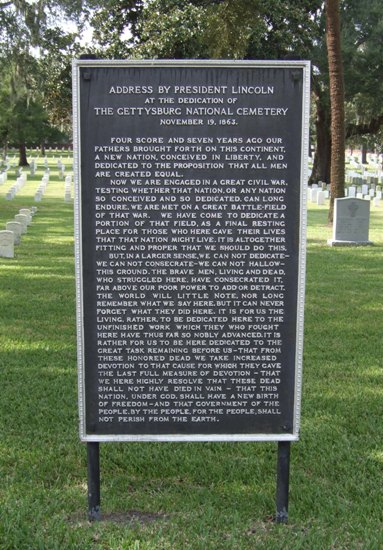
(34, 92)
(363, 65)
(114, 24)
(240, 29)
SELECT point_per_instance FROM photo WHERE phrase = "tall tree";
(362, 45)
(335, 65)
(362, 53)
(29, 31)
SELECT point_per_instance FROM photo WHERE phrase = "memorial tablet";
(351, 222)
(190, 248)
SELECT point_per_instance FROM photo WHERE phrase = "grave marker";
(16, 228)
(321, 198)
(351, 222)
(314, 194)
(23, 219)
(28, 213)
(7, 244)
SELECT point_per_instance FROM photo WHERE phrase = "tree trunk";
(5, 151)
(42, 149)
(23, 161)
(364, 153)
(337, 102)
(321, 167)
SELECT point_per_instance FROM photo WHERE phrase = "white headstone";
(314, 194)
(16, 228)
(320, 198)
(22, 218)
(7, 249)
(27, 213)
(376, 202)
(352, 191)
(351, 222)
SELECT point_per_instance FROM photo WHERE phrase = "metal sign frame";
(79, 161)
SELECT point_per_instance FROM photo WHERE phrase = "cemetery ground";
(193, 496)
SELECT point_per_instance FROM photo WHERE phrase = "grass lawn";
(195, 496)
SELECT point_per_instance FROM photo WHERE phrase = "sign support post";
(282, 492)
(283, 474)
(94, 513)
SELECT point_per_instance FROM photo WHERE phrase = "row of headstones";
(11, 236)
(355, 162)
(15, 188)
(42, 186)
(6, 165)
(318, 195)
(354, 178)
(21, 180)
(363, 192)
(61, 168)
(45, 180)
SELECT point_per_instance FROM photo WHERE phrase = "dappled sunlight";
(376, 455)
(18, 344)
(31, 271)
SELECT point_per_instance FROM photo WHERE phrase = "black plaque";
(190, 238)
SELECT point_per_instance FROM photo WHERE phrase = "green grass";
(194, 496)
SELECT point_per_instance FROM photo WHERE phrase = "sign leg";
(94, 513)
(283, 472)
